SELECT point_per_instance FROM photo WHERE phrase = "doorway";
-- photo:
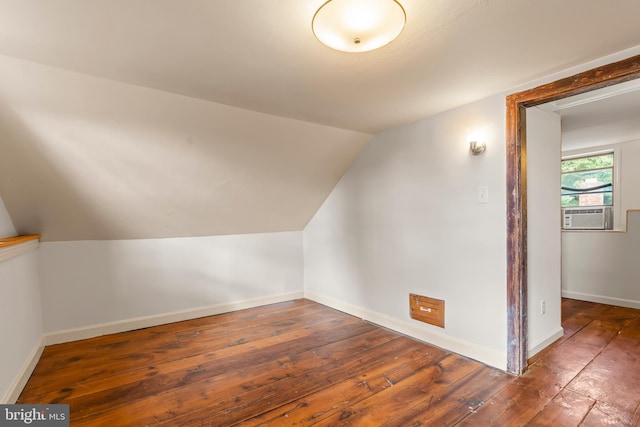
(517, 104)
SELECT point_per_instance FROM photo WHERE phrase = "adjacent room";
(214, 195)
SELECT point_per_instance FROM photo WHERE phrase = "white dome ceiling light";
(358, 25)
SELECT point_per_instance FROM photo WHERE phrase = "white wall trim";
(485, 355)
(546, 342)
(23, 375)
(75, 334)
(602, 299)
(13, 251)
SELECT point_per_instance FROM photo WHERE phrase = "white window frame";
(618, 221)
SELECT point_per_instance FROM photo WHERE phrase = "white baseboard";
(21, 379)
(602, 299)
(161, 319)
(545, 342)
(485, 355)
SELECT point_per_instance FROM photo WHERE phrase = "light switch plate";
(483, 194)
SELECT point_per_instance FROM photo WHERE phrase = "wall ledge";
(11, 247)
(615, 230)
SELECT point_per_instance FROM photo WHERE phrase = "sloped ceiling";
(88, 158)
(160, 118)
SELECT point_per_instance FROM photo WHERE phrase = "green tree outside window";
(588, 181)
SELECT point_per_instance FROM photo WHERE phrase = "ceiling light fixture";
(358, 25)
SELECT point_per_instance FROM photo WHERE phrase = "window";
(588, 180)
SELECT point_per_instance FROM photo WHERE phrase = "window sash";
(570, 192)
(610, 156)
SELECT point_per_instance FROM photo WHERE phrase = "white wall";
(543, 228)
(405, 219)
(597, 266)
(629, 176)
(603, 266)
(86, 283)
(20, 313)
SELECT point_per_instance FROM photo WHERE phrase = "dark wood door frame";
(517, 103)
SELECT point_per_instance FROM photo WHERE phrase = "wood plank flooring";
(300, 363)
(590, 377)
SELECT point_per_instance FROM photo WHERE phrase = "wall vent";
(428, 310)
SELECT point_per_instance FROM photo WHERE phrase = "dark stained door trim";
(517, 103)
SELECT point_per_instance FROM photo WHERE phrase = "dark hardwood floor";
(590, 377)
(300, 363)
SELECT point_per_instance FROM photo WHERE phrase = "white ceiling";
(607, 121)
(261, 55)
(98, 142)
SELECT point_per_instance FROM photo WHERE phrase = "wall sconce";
(476, 149)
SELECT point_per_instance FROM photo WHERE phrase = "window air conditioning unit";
(587, 218)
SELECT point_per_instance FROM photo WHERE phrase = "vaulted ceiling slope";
(85, 158)
(137, 118)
